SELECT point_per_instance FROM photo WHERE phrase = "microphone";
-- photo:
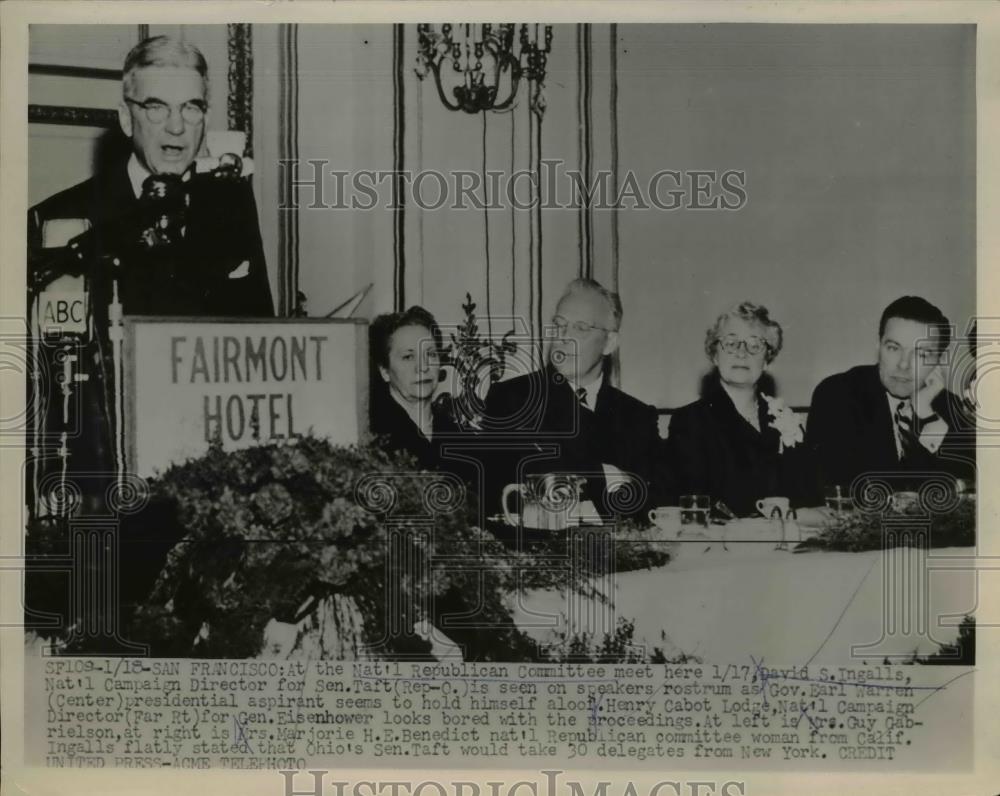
(165, 199)
(163, 206)
(156, 221)
(72, 259)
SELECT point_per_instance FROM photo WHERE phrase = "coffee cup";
(666, 518)
(769, 505)
(548, 501)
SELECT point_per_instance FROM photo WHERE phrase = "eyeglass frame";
(579, 326)
(732, 344)
(199, 105)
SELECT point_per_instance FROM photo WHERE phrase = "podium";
(173, 387)
(191, 382)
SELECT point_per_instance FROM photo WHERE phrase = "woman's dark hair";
(383, 327)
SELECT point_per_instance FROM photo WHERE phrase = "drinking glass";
(695, 511)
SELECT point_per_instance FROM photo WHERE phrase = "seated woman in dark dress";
(736, 443)
(406, 351)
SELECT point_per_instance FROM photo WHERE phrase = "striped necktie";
(908, 439)
(581, 394)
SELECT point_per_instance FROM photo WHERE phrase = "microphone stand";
(116, 333)
(80, 259)
(74, 262)
(161, 210)
(42, 270)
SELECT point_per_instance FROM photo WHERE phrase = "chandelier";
(477, 67)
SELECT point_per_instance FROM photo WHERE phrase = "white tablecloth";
(727, 602)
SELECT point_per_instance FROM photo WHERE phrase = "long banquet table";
(735, 596)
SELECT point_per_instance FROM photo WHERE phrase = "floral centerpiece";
(857, 531)
(272, 530)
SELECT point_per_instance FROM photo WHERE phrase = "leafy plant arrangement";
(631, 545)
(271, 532)
(640, 546)
(478, 362)
(859, 531)
(271, 529)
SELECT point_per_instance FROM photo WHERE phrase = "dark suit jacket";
(712, 450)
(192, 278)
(189, 278)
(195, 276)
(850, 431)
(397, 432)
(539, 409)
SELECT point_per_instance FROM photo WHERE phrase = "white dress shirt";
(137, 174)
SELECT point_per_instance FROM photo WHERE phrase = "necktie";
(905, 426)
(581, 394)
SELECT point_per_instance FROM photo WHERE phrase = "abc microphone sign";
(63, 306)
(190, 382)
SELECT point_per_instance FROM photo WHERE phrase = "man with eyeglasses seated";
(569, 418)
(738, 443)
(186, 244)
(894, 419)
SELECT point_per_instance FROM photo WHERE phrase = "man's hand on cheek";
(932, 387)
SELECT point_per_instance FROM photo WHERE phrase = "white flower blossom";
(784, 422)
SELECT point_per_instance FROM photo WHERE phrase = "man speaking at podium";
(147, 236)
(185, 243)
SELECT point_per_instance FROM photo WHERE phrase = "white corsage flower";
(784, 422)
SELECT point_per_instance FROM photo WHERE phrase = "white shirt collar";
(592, 390)
(137, 174)
(895, 403)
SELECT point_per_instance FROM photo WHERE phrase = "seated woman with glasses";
(406, 352)
(738, 444)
